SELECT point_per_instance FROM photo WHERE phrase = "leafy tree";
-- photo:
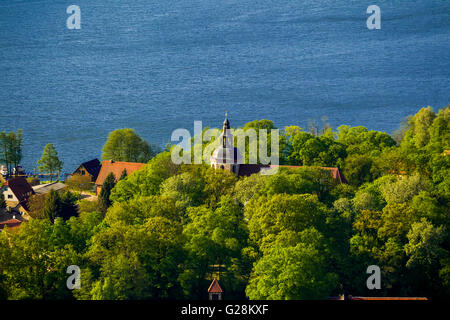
(185, 190)
(291, 273)
(38, 259)
(126, 145)
(311, 150)
(217, 184)
(418, 133)
(68, 205)
(142, 263)
(359, 169)
(138, 210)
(33, 181)
(215, 241)
(268, 216)
(359, 140)
(123, 175)
(79, 183)
(104, 201)
(49, 161)
(36, 205)
(11, 149)
(425, 258)
(52, 206)
(404, 189)
(248, 187)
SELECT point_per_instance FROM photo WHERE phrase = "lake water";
(159, 65)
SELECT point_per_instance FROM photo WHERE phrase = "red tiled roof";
(215, 287)
(11, 223)
(21, 189)
(116, 167)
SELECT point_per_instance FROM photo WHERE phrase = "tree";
(33, 181)
(418, 133)
(103, 199)
(36, 262)
(79, 183)
(146, 181)
(11, 149)
(293, 272)
(126, 145)
(404, 189)
(36, 205)
(123, 175)
(186, 189)
(52, 206)
(215, 240)
(49, 161)
(426, 256)
(359, 169)
(142, 263)
(270, 215)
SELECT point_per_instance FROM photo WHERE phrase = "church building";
(228, 157)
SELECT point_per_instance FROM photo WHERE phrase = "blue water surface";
(159, 65)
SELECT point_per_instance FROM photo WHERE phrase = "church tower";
(226, 156)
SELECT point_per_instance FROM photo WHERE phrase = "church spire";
(226, 123)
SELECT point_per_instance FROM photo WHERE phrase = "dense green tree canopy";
(165, 231)
(126, 145)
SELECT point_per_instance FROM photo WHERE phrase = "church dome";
(226, 155)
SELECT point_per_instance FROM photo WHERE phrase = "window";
(10, 196)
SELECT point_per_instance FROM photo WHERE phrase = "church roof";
(226, 123)
(215, 287)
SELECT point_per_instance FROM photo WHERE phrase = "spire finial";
(226, 113)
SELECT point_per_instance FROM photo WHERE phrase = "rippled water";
(159, 65)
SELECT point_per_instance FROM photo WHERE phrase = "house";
(17, 191)
(90, 168)
(115, 167)
(228, 157)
